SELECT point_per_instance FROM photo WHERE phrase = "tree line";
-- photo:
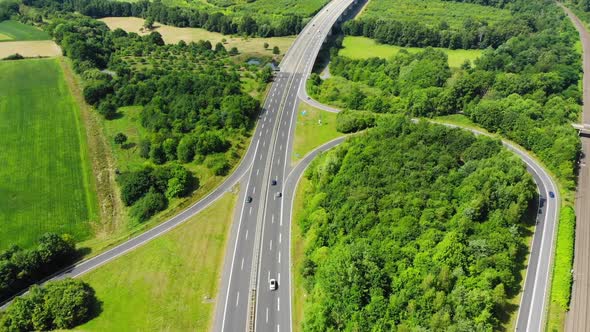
(429, 238)
(216, 21)
(20, 268)
(472, 35)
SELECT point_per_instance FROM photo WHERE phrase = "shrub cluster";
(148, 190)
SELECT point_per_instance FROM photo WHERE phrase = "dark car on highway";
(249, 199)
(551, 194)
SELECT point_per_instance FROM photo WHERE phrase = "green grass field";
(309, 133)
(45, 178)
(165, 284)
(14, 31)
(432, 12)
(363, 48)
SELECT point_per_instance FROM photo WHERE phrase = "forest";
(429, 238)
(216, 21)
(194, 106)
(526, 88)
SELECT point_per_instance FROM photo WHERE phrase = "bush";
(15, 56)
(134, 185)
(150, 204)
(96, 91)
(353, 121)
(61, 304)
(218, 163)
(120, 138)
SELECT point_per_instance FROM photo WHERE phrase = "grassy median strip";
(561, 283)
(170, 283)
(314, 127)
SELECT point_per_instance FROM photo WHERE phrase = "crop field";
(30, 49)
(14, 31)
(45, 180)
(172, 35)
(432, 12)
(363, 48)
(169, 283)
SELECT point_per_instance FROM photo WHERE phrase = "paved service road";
(578, 318)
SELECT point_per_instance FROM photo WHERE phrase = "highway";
(578, 318)
(259, 244)
(261, 235)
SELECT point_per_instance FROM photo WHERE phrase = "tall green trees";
(58, 305)
(19, 268)
(413, 226)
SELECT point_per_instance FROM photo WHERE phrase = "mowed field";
(172, 35)
(432, 12)
(169, 284)
(364, 48)
(15, 31)
(45, 180)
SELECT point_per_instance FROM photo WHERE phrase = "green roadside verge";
(168, 284)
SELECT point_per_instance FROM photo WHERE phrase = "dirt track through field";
(30, 49)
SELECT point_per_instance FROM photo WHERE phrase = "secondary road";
(578, 318)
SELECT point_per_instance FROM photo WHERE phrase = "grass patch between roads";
(13, 31)
(163, 285)
(309, 133)
(46, 183)
(364, 48)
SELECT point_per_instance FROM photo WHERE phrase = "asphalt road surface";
(578, 318)
(261, 235)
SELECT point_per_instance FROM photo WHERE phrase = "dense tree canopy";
(526, 88)
(429, 237)
(60, 305)
(19, 268)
